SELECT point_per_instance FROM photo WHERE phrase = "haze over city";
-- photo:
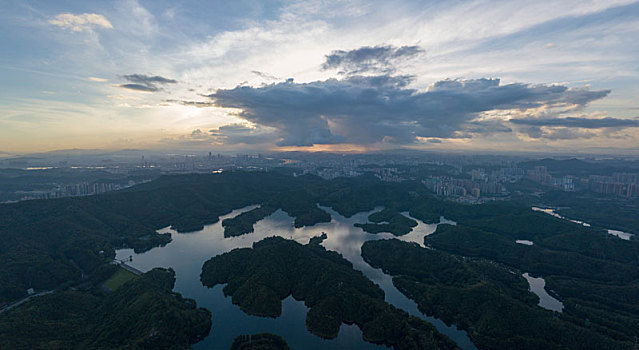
(335, 76)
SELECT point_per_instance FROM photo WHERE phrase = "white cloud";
(81, 22)
(135, 19)
(517, 41)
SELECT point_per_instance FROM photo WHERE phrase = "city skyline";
(336, 76)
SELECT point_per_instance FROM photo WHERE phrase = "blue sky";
(331, 75)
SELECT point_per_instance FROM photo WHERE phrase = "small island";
(243, 223)
(388, 220)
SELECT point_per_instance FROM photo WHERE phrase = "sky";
(234, 76)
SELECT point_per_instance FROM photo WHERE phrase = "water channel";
(537, 284)
(623, 235)
(188, 251)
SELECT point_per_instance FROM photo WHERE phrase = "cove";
(188, 251)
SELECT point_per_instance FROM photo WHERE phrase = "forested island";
(388, 220)
(259, 278)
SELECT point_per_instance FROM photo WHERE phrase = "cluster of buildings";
(78, 189)
(477, 186)
(187, 164)
(331, 173)
(387, 174)
(620, 184)
(482, 185)
(445, 175)
(540, 174)
(510, 174)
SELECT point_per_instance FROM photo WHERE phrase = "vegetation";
(243, 223)
(388, 220)
(595, 274)
(47, 243)
(120, 277)
(259, 278)
(261, 341)
(489, 301)
(349, 196)
(142, 314)
(540, 259)
(607, 211)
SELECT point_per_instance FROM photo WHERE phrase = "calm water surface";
(524, 242)
(537, 286)
(188, 251)
(623, 235)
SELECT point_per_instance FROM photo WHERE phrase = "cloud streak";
(139, 87)
(145, 83)
(148, 80)
(199, 104)
(578, 122)
(265, 75)
(81, 22)
(569, 128)
(98, 80)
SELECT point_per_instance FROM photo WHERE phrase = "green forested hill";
(485, 298)
(44, 243)
(142, 314)
(49, 244)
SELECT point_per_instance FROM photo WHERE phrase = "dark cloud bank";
(141, 82)
(383, 109)
(571, 127)
(369, 58)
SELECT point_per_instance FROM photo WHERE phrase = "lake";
(188, 251)
(537, 286)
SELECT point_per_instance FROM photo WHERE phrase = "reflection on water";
(620, 234)
(545, 300)
(187, 253)
(524, 242)
(552, 212)
(346, 239)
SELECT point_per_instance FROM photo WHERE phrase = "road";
(20, 302)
